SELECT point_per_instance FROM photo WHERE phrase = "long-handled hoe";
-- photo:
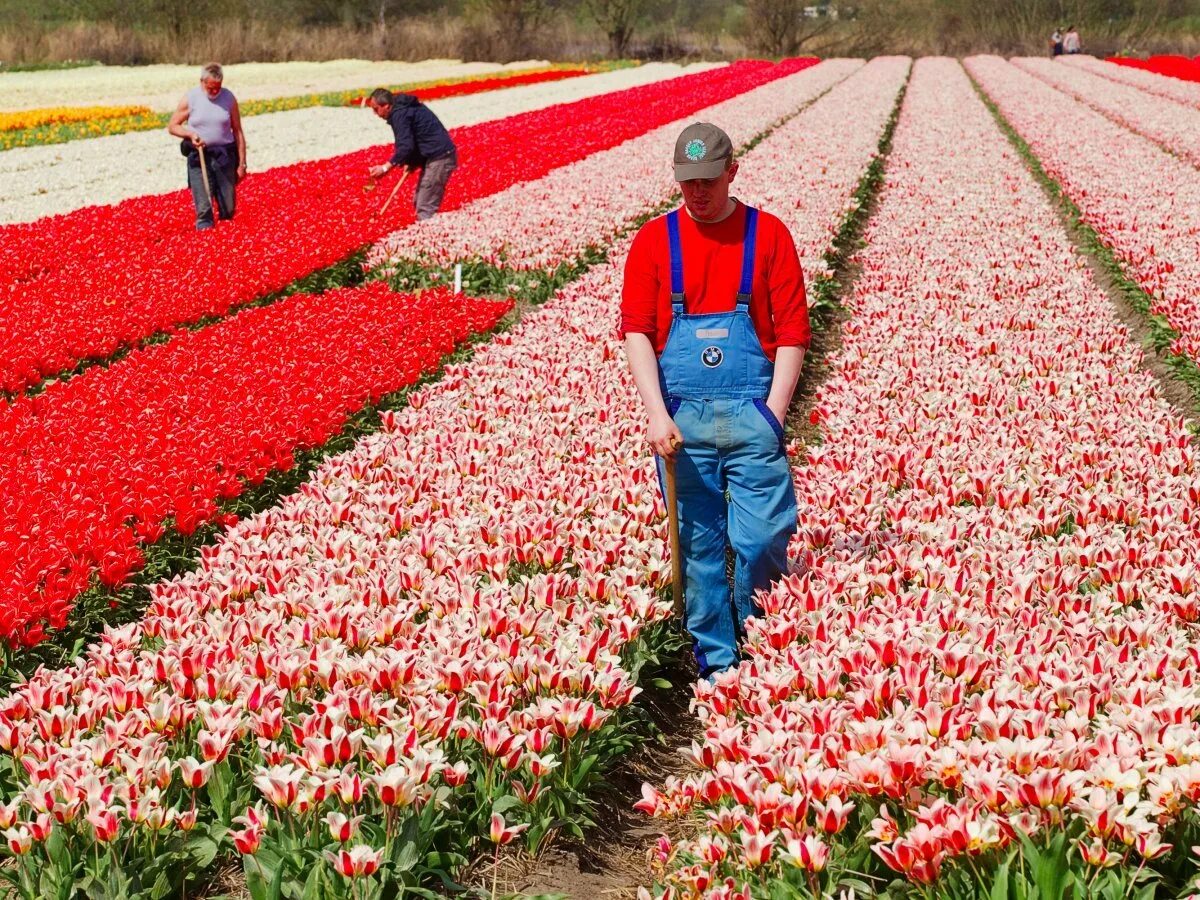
(207, 186)
(392, 195)
(676, 553)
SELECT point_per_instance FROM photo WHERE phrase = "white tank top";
(211, 119)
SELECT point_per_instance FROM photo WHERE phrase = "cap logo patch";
(695, 149)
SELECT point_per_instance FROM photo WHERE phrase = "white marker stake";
(458, 278)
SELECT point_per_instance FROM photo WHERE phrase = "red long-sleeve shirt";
(712, 271)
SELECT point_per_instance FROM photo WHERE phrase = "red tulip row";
(83, 285)
(1182, 67)
(1186, 92)
(477, 85)
(96, 465)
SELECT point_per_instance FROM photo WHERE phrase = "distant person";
(1071, 41)
(422, 142)
(208, 119)
(1056, 43)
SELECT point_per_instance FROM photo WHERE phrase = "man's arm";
(789, 361)
(639, 324)
(176, 126)
(403, 149)
(789, 305)
(235, 122)
(663, 434)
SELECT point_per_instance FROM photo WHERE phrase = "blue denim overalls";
(715, 379)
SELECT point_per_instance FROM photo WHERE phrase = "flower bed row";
(1160, 85)
(159, 88)
(980, 673)
(62, 115)
(440, 91)
(33, 128)
(1183, 68)
(1172, 125)
(43, 181)
(422, 651)
(1141, 201)
(581, 205)
(807, 172)
(105, 462)
(83, 285)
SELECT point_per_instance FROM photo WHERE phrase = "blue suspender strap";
(748, 241)
(676, 262)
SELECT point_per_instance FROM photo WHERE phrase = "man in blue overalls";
(715, 321)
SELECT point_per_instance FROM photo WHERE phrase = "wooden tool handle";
(676, 553)
(207, 186)
(395, 191)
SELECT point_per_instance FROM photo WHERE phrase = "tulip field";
(1176, 67)
(323, 579)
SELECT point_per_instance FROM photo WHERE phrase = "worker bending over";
(422, 142)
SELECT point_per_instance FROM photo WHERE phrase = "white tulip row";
(1163, 85)
(160, 86)
(55, 179)
(806, 173)
(1143, 202)
(989, 625)
(1168, 123)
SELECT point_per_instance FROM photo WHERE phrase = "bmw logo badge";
(711, 357)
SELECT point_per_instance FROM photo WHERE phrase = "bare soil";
(612, 862)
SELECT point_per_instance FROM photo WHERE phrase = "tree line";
(576, 29)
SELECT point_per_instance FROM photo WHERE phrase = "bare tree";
(515, 21)
(617, 18)
(780, 28)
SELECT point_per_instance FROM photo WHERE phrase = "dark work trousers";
(222, 178)
(432, 186)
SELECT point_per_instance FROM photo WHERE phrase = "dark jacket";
(420, 137)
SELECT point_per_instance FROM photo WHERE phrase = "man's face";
(212, 86)
(380, 109)
(705, 198)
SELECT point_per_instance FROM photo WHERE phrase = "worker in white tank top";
(208, 120)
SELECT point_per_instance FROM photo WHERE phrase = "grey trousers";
(432, 185)
(222, 180)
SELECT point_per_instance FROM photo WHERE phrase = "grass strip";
(49, 66)
(825, 294)
(1160, 334)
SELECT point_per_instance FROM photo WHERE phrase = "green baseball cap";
(701, 151)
